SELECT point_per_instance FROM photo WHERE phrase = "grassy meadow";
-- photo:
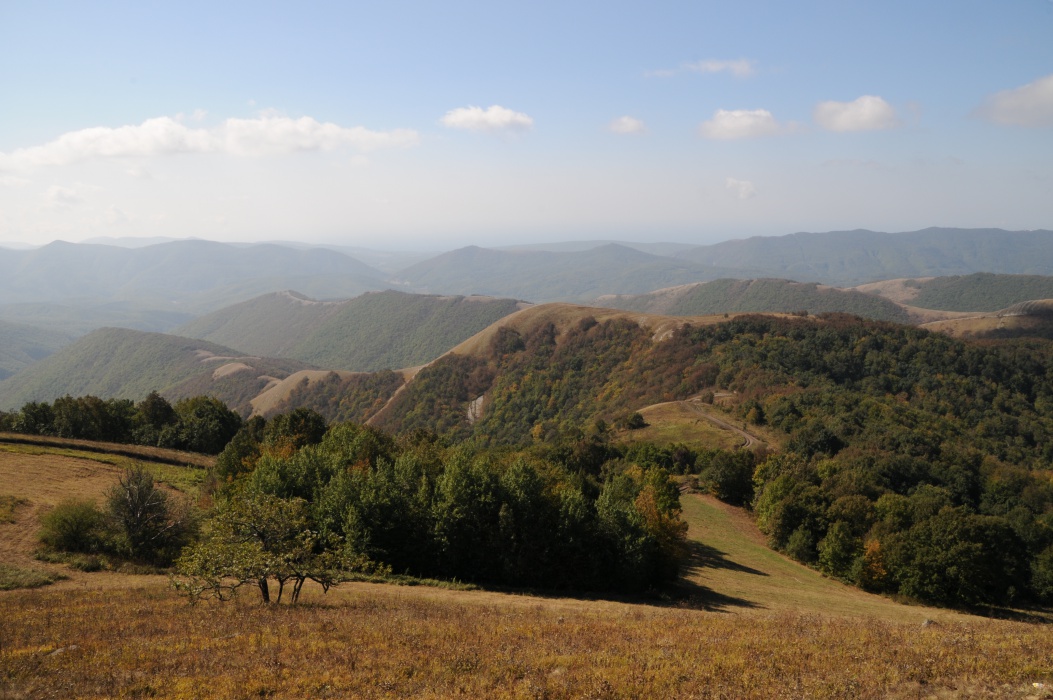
(745, 622)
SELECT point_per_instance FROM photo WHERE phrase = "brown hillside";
(564, 316)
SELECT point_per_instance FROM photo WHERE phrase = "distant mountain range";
(847, 258)
(543, 276)
(188, 276)
(66, 290)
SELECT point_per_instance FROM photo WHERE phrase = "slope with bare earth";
(524, 390)
(981, 292)
(1030, 319)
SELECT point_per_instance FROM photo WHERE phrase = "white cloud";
(493, 118)
(728, 124)
(265, 135)
(627, 125)
(57, 197)
(867, 113)
(1028, 105)
(741, 68)
(740, 189)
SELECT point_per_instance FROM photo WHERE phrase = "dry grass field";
(745, 623)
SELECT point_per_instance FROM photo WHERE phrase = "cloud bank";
(867, 113)
(730, 124)
(268, 134)
(493, 118)
(626, 125)
(1029, 105)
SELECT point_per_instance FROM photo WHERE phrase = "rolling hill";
(544, 276)
(122, 363)
(382, 330)
(760, 295)
(1029, 319)
(846, 258)
(21, 345)
(981, 291)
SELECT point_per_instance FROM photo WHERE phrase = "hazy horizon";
(411, 125)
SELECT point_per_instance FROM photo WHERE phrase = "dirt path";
(750, 441)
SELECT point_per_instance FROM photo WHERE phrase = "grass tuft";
(13, 577)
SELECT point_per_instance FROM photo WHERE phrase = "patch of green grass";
(12, 577)
(8, 506)
(185, 479)
(81, 562)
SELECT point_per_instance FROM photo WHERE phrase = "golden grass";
(34, 479)
(750, 624)
(369, 642)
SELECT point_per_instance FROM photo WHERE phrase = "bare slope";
(370, 332)
(1029, 319)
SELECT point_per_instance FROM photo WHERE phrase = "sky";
(395, 125)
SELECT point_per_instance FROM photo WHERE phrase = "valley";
(634, 444)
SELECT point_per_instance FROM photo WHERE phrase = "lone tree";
(150, 525)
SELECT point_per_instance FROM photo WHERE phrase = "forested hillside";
(383, 330)
(22, 345)
(904, 447)
(126, 364)
(980, 292)
(759, 295)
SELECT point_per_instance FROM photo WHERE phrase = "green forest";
(901, 445)
(910, 463)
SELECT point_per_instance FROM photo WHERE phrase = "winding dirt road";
(750, 441)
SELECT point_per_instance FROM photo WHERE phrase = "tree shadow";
(703, 556)
(694, 596)
(689, 593)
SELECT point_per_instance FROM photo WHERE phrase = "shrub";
(74, 525)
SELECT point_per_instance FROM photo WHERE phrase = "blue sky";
(404, 124)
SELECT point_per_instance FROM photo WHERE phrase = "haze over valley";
(546, 350)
